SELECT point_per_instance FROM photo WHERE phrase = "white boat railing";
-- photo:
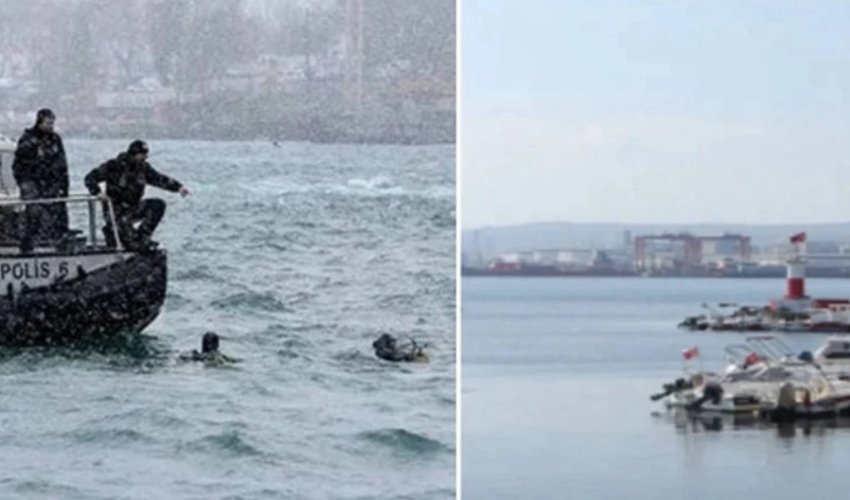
(19, 205)
(764, 348)
(771, 346)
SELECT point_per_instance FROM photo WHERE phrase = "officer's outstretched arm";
(159, 180)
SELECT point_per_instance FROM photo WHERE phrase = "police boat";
(77, 286)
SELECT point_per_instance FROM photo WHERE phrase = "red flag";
(752, 358)
(798, 238)
(690, 352)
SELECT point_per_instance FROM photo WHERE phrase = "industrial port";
(667, 255)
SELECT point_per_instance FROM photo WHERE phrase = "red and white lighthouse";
(795, 299)
(796, 278)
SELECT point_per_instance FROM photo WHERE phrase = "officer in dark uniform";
(126, 177)
(41, 171)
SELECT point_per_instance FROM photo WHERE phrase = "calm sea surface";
(298, 256)
(557, 375)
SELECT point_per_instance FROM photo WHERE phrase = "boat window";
(838, 355)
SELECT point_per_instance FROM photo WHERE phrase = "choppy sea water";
(557, 375)
(298, 256)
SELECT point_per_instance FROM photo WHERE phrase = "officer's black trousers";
(149, 212)
(43, 223)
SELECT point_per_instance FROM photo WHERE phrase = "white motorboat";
(762, 376)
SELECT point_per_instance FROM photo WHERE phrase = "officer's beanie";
(44, 114)
(138, 146)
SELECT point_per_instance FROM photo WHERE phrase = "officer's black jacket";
(125, 180)
(40, 158)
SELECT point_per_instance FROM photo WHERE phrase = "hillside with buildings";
(325, 71)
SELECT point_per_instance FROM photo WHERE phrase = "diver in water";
(386, 347)
(209, 352)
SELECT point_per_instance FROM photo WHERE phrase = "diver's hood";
(384, 341)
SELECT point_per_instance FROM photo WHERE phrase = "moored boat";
(762, 376)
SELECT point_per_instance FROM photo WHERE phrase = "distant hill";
(491, 241)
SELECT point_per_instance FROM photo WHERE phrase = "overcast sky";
(655, 111)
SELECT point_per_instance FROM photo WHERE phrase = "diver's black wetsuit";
(209, 352)
(207, 357)
(387, 348)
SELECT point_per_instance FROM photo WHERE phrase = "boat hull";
(123, 296)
